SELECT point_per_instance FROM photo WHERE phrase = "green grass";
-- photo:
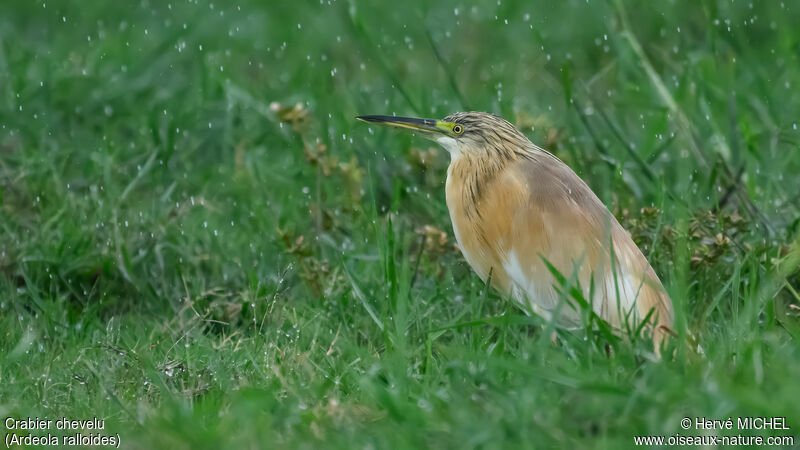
(202, 270)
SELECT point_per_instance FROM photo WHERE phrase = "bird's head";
(475, 134)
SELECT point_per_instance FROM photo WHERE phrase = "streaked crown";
(485, 134)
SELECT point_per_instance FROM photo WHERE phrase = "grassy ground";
(200, 245)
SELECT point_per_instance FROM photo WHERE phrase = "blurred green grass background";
(199, 244)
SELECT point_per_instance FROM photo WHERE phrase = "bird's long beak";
(423, 125)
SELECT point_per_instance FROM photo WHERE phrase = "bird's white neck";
(451, 146)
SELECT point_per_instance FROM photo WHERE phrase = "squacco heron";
(516, 207)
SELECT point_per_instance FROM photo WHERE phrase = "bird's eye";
(458, 129)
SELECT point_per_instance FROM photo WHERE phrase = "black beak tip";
(370, 118)
(404, 122)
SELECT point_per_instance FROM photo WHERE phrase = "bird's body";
(515, 208)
